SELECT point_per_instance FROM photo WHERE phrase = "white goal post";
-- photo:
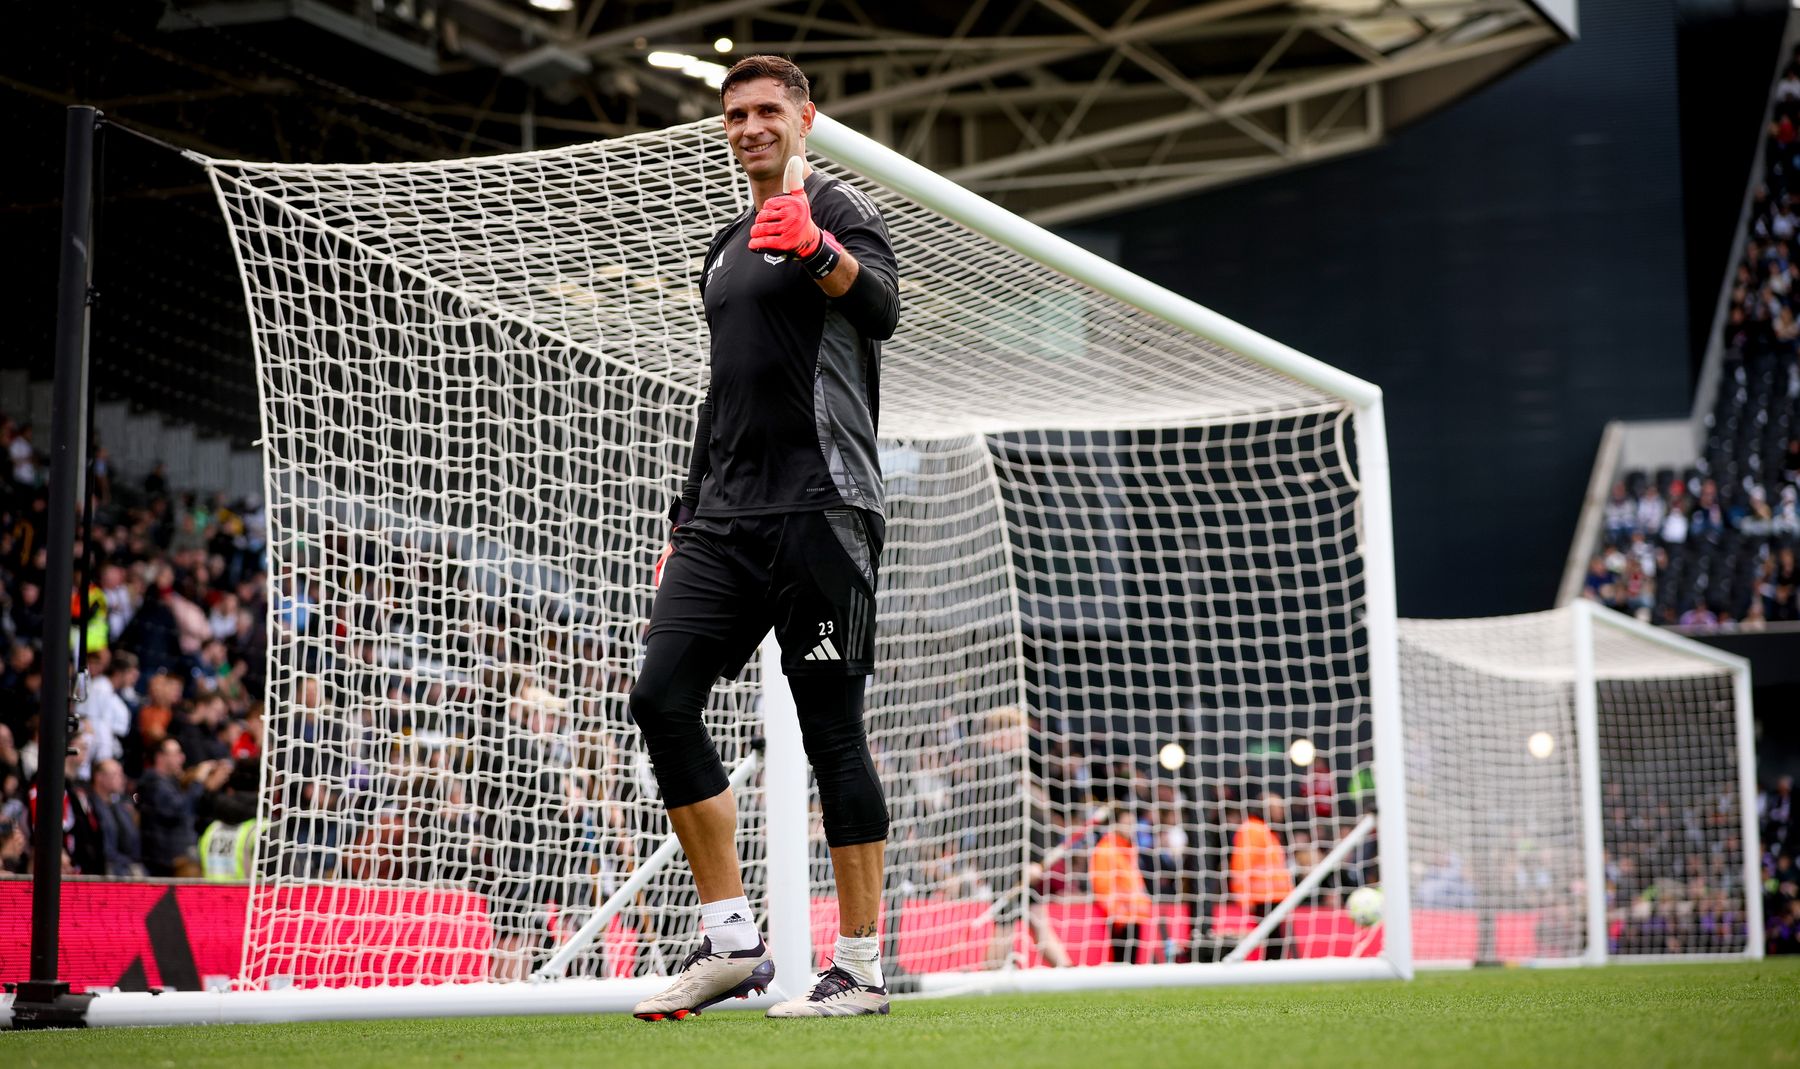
(1137, 598)
(1582, 790)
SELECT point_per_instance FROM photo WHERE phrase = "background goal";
(1582, 790)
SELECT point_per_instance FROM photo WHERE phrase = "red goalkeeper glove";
(785, 224)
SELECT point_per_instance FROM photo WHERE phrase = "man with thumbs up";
(780, 524)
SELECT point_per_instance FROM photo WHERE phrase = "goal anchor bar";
(558, 965)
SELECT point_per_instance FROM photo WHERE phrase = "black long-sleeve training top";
(789, 420)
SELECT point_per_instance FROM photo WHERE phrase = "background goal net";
(1137, 592)
(1580, 790)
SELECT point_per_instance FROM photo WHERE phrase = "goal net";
(1136, 595)
(1580, 791)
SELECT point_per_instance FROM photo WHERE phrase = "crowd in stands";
(168, 728)
(1678, 551)
(1713, 547)
(1781, 866)
(170, 731)
(1674, 870)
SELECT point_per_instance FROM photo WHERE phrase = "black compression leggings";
(670, 695)
(667, 701)
(831, 725)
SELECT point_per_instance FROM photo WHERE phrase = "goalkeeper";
(780, 524)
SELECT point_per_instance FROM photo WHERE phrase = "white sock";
(729, 924)
(861, 958)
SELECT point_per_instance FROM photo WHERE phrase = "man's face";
(109, 778)
(165, 689)
(765, 127)
(169, 758)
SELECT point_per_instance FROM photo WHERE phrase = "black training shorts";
(808, 575)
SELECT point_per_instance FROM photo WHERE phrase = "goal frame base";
(115, 1009)
(1122, 977)
(135, 1008)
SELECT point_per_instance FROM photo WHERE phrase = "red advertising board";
(141, 935)
(131, 935)
(138, 936)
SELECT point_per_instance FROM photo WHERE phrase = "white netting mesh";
(479, 378)
(1673, 815)
(1495, 798)
(1195, 587)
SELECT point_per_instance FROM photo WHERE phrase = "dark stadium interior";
(1365, 262)
(1512, 271)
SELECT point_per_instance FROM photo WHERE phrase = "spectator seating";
(1725, 558)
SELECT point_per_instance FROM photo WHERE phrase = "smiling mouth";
(751, 150)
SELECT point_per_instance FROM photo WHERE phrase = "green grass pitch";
(1729, 1015)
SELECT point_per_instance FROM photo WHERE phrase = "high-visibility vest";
(1259, 870)
(99, 632)
(228, 850)
(1117, 882)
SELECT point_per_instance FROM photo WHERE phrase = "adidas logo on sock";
(824, 651)
(735, 918)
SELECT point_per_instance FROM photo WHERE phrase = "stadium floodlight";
(1114, 517)
(705, 70)
(1637, 775)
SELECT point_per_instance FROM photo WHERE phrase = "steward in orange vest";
(1259, 873)
(1259, 866)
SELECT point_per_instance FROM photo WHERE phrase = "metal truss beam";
(651, 29)
(1149, 29)
(1196, 117)
(985, 91)
(324, 16)
(1199, 178)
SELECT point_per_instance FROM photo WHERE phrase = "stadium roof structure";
(1056, 109)
(1056, 112)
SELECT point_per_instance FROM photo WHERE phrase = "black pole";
(45, 1000)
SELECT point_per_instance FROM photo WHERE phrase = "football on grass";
(1364, 905)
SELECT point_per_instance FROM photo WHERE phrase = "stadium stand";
(1712, 547)
(176, 647)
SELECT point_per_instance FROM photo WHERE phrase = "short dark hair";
(782, 70)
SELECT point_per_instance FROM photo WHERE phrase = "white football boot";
(835, 994)
(708, 978)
